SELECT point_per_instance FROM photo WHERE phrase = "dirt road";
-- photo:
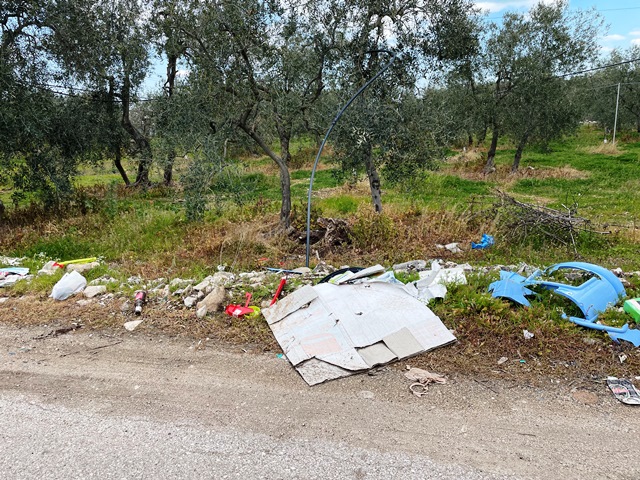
(135, 406)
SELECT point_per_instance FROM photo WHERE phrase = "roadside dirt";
(563, 429)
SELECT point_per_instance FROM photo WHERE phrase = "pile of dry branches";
(521, 220)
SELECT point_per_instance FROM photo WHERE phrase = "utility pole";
(615, 121)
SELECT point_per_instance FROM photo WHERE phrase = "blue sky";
(621, 16)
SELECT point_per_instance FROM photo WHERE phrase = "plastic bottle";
(140, 299)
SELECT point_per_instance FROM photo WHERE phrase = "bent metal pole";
(333, 124)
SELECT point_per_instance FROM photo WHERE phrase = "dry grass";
(504, 177)
(604, 149)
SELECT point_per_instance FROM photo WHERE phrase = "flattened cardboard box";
(332, 331)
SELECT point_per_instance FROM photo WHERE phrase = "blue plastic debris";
(511, 286)
(592, 297)
(485, 242)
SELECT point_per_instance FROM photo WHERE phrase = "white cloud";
(635, 33)
(499, 5)
(183, 73)
(614, 37)
(606, 49)
(635, 41)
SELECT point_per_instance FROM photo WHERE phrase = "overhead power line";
(599, 68)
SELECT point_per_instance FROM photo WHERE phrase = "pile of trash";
(337, 322)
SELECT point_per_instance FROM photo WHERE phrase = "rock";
(81, 267)
(4, 299)
(135, 280)
(201, 312)
(132, 325)
(94, 290)
(180, 283)
(215, 300)
(103, 280)
(222, 278)
(416, 265)
(204, 284)
(302, 270)
(190, 301)
(83, 302)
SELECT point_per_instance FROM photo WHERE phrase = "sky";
(621, 16)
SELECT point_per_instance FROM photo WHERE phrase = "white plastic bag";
(69, 284)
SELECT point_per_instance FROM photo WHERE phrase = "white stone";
(81, 267)
(215, 300)
(94, 290)
(190, 301)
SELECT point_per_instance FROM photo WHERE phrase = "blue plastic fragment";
(485, 242)
(511, 286)
(592, 297)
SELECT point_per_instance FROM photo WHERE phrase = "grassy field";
(146, 234)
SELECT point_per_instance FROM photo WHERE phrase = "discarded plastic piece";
(624, 390)
(79, 260)
(485, 242)
(239, 310)
(512, 286)
(593, 296)
(338, 273)
(282, 270)
(632, 307)
(10, 275)
(140, 300)
(281, 285)
(432, 282)
(616, 333)
(527, 334)
(69, 284)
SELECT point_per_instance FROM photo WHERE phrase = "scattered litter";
(422, 379)
(69, 284)
(452, 247)
(432, 282)
(624, 390)
(502, 360)
(281, 285)
(69, 262)
(11, 261)
(11, 275)
(413, 265)
(140, 298)
(592, 297)
(279, 355)
(331, 331)
(632, 307)
(48, 268)
(485, 242)
(527, 334)
(622, 357)
(240, 310)
(523, 361)
(132, 325)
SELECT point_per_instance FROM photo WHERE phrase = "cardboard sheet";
(330, 331)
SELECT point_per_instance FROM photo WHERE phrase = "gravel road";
(83, 405)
